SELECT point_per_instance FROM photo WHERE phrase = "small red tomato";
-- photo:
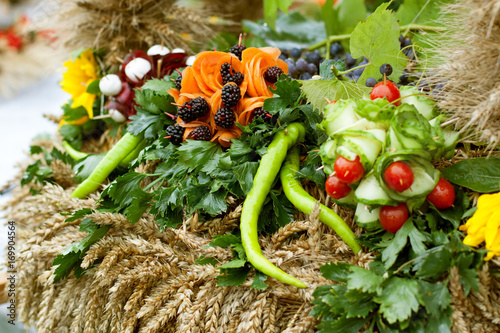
(398, 176)
(336, 188)
(392, 218)
(443, 195)
(348, 171)
(386, 89)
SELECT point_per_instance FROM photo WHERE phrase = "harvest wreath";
(162, 231)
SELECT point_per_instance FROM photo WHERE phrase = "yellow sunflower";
(484, 225)
(81, 72)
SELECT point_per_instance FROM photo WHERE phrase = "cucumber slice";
(369, 192)
(339, 116)
(423, 183)
(348, 202)
(424, 105)
(364, 144)
(367, 218)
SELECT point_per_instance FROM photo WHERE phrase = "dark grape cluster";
(262, 114)
(178, 82)
(301, 65)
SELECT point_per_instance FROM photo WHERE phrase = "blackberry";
(186, 113)
(238, 78)
(272, 74)
(237, 50)
(201, 133)
(175, 133)
(178, 81)
(199, 107)
(226, 72)
(225, 117)
(260, 113)
(231, 95)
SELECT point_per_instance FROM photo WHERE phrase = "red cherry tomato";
(386, 89)
(336, 188)
(348, 171)
(398, 176)
(443, 195)
(392, 218)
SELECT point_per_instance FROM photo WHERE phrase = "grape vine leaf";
(271, 9)
(318, 92)
(378, 40)
(420, 12)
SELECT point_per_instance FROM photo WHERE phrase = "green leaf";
(259, 281)
(318, 91)
(335, 271)
(420, 12)
(282, 208)
(159, 87)
(329, 16)
(225, 240)
(433, 263)
(390, 253)
(478, 174)
(237, 263)
(468, 272)
(71, 114)
(233, 277)
(343, 324)
(364, 280)
(85, 167)
(202, 260)
(245, 173)
(349, 13)
(436, 297)
(79, 214)
(93, 87)
(213, 203)
(287, 93)
(378, 40)
(399, 298)
(195, 154)
(293, 30)
(149, 124)
(122, 189)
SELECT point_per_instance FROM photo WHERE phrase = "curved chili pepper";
(304, 202)
(119, 152)
(266, 173)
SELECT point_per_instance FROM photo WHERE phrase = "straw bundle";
(470, 57)
(118, 26)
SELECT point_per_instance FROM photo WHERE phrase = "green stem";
(406, 28)
(153, 183)
(353, 69)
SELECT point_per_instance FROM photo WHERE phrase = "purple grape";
(335, 49)
(305, 76)
(312, 69)
(295, 53)
(370, 82)
(301, 65)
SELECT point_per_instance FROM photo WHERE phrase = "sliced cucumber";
(339, 116)
(367, 218)
(348, 202)
(423, 183)
(425, 106)
(369, 192)
(364, 144)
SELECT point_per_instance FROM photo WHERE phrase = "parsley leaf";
(399, 298)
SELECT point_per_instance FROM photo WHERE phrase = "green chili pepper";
(75, 154)
(304, 202)
(118, 153)
(263, 180)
